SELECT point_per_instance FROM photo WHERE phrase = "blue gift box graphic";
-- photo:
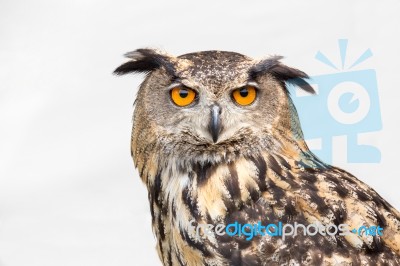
(347, 103)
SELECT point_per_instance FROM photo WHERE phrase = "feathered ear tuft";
(145, 61)
(281, 72)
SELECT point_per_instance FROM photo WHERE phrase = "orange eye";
(182, 96)
(245, 95)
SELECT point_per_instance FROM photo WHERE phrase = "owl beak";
(215, 122)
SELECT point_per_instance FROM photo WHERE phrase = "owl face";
(210, 104)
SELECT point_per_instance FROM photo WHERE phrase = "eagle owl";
(217, 140)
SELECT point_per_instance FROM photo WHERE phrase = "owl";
(217, 141)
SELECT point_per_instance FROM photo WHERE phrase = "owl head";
(211, 106)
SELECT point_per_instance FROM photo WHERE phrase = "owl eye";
(245, 95)
(182, 96)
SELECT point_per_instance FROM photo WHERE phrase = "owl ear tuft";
(145, 61)
(281, 72)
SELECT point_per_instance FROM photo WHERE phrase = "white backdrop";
(69, 194)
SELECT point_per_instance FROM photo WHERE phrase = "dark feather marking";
(290, 210)
(155, 198)
(254, 193)
(232, 183)
(236, 257)
(345, 176)
(187, 200)
(269, 248)
(351, 180)
(164, 211)
(277, 192)
(141, 171)
(361, 195)
(196, 245)
(261, 165)
(290, 179)
(157, 190)
(380, 201)
(315, 198)
(161, 247)
(169, 258)
(381, 221)
(161, 227)
(283, 162)
(273, 164)
(190, 175)
(173, 209)
(179, 260)
(340, 215)
(339, 188)
(203, 172)
(208, 218)
(309, 176)
(229, 204)
(343, 245)
(377, 244)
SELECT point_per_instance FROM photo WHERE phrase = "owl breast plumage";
(217, 141)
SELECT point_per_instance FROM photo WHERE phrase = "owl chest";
(211, 194)
(208, 193)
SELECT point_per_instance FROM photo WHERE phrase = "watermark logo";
(346, 104)
(249, 231)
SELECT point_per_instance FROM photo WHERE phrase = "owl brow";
(175, 79)
(173, 84)
(281, 72)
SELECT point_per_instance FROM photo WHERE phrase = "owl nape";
(217, 141)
